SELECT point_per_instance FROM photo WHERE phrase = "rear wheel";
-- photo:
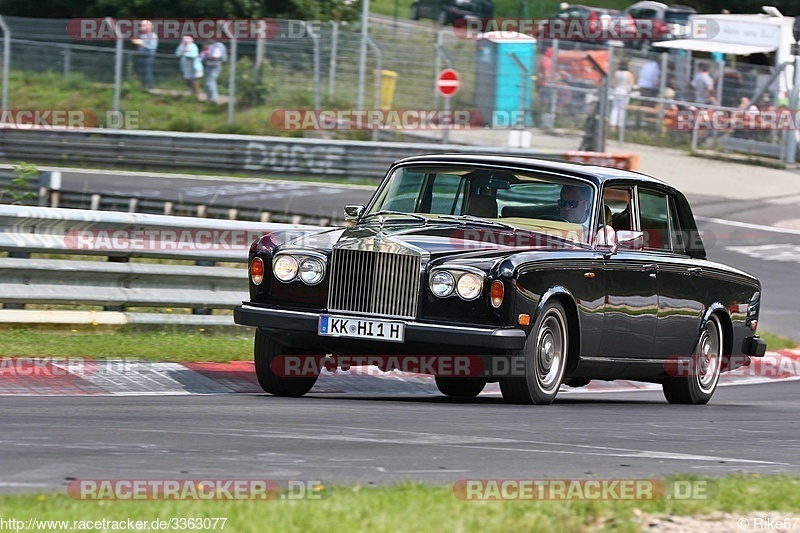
(265, 352)
(544, 359)
(699, 386)
(460, 387)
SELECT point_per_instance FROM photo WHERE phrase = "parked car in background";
(606, 24)
(449, 11)
(656, 21)
(539, 273)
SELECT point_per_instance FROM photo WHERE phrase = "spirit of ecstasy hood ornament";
(380, 234)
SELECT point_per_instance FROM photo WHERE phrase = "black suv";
(449, 11)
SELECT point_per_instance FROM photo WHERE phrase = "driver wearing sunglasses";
(574, 204)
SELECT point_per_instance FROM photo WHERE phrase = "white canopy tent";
(741, 35)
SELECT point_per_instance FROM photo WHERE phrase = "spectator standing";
(650, 79)
(622, 85)
(544, 76)
(190, 64)
(703, 84)
(146, 43)
(214, 55)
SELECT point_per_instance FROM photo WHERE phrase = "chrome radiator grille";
(374, 283)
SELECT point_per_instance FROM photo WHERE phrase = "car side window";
(617, 201)
(654, 219)
(675, 229)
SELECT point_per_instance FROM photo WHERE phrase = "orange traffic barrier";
(604, 159)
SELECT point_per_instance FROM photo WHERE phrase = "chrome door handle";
(693, 271)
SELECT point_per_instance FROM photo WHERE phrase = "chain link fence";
(315, 65)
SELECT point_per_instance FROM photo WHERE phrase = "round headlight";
(285, 268)
(442, 284)
(469, 286)
(311, 271)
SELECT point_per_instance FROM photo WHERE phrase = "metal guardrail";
(136, 203)
(159, 150)
(118, 284)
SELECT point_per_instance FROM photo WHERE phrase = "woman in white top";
(622, 85)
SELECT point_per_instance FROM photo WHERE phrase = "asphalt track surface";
(772, 255)
(46, 442)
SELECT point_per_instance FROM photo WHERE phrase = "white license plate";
(361, 328)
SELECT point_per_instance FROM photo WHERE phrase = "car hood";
(433, 238)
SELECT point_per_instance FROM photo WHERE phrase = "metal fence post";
(67, 54)
(117, 66)
(6, 59)
(602, 111)
(378, 80)
(662, 86)
(791, 156)
(315, 37)
(362, 54)
(554, 97)
(437, 67)
(523, 97)
(259, 58)
(232, 82)
(334, 53)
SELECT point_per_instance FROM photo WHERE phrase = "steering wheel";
(552, 217)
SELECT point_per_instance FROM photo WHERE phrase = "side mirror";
(630, 240)
(353, 212)
(606, 239)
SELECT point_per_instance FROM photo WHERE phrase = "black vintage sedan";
(533, 273)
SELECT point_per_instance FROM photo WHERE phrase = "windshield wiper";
(478, 220)
(390, 212)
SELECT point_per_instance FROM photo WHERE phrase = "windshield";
(523, 200)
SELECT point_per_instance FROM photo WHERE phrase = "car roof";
(648, 3)
(594, 8)
(594, 173)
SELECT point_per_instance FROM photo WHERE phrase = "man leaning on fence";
(214, 54)
(146, 43)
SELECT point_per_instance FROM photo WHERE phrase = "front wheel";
(442, 20)
(544, 358)
(460, 387)
(415, 12)
(699, 386)
(265, 352)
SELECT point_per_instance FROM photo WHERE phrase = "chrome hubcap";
(550, 353)
(708, 356)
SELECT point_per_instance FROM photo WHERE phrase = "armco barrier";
(119, 283)
(159, 150)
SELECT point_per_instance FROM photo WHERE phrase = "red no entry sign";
(448, 82)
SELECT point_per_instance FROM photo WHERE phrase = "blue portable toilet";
(503, 90)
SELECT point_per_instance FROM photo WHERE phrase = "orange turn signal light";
(524, 320)
(257, 271)
(497, 293)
